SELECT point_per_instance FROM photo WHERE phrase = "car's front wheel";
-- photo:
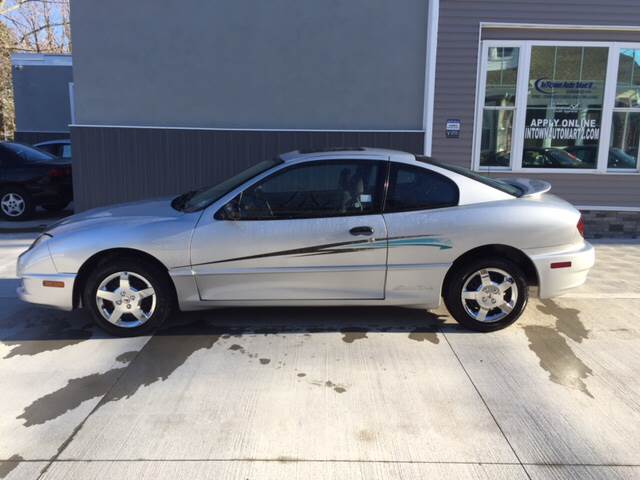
(128, 297)
(486, 295)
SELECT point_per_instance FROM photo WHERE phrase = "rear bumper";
(556, 281)
(32, 289)
(52, 193)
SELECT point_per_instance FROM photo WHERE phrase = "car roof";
(346, 153)
(51, 142)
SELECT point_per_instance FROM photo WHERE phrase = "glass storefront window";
(559, 106)
(502, 77)
(628, 86)
(499, 105)
(625, 124)
(564, 107)
(625, 138)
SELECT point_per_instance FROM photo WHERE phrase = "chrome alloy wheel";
(126, 299)
(12, 204)
(489, 295)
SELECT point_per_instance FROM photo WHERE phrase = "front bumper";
(40, 282)
(556, 281)
(34, 289)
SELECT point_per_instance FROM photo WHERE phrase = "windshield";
(492, 182)
(29, 154)
(199, 199)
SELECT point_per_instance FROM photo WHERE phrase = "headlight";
(43, 237)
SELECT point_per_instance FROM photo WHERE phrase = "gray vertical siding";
(276, 64)
(458, 33)
(41, 95)
(114, 165)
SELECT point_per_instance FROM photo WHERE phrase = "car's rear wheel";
(15, 204)
(486, 295)
(129, 297)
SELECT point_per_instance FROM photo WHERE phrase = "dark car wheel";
(15, 203)
(486, 295)
(55, 207)
(129, 297)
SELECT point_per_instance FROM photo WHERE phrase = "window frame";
(380, 188)
(520, 111)
(389, 188)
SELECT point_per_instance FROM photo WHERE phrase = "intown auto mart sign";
(546, 86)
(562, 129)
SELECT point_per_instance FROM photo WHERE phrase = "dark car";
(618, 158)
(551, 158)
(59, 148)
(490, 158)
(30, 177)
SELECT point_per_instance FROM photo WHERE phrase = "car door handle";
(361, 231)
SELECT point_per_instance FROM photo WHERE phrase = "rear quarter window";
(413, 188)
(491, 182)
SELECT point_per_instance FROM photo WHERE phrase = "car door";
(310, 231)
(420, 219)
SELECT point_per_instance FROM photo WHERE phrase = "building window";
(564, 107)
(499, 105)
(625, 125)
(558, 106)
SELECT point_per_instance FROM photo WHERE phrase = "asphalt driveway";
(338, 393)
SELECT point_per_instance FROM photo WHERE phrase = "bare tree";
(39, 26)
(7, 111)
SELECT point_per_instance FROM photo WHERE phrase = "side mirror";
(231, 211)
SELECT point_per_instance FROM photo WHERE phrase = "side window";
(414, 188)
(51, 148)
(66, 150)
(320, 189)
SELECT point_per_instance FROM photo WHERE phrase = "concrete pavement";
(328, 392)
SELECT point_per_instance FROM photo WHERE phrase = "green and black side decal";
(352, 246)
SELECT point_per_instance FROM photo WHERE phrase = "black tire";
(456, 280)
(55, 207)
(21, 193)
(165, 299)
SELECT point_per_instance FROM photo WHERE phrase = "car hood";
(122, 215)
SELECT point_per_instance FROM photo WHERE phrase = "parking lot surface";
(343, 393)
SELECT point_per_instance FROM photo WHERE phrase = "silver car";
(333, 227)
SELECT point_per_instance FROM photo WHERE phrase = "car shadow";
(291, 320)
(24, 324)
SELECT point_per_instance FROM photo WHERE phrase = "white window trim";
(430, 74)
(72, 102)
(517, 140)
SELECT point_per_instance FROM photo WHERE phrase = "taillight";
(581, 226)
(58, 172)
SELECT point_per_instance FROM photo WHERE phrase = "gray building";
(41, 86)
(541, 89)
